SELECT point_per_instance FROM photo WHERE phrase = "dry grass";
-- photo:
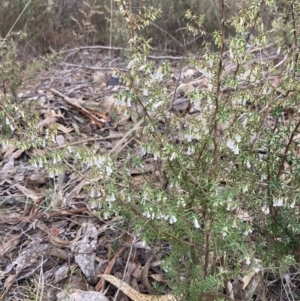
(72, 23)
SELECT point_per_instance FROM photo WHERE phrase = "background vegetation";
(55, 24)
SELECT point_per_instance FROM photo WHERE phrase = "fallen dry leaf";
(137, 273)
(30, 193)
(37, 179)
(8, 149)
(133, 294)
(158, 277)
(247, 279)
(108, 269)
(64, 129)
(92, 115)
(47, 121)
(7, 167)
(9, 244)
(60, 140)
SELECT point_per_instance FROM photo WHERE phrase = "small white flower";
(157, 104)
(196, 224)
(108, 170)
(47, 135)
(111, 198)
(158, 75)
(263, 177)
(137, 81)
(292, 205)
(247, 260)
(190, 151)
(247, 232)
(181, 203)
(165, 217)
(144, 199)
(151, 128)
(257, 270)
(89, 162)
(173, 156)
(197, 104)
(70, 149)
(129, 199)
(232, 146)
(94, 204)
(234, 225)
(172, 219)
(240, 101)
(224, 232)
(244, 122)
(99, 194)
(147, 214)
(106, 215)
(99, 161)
(77, 156)
(245, 188)
(197, 136)
(231, 53)
(278, 202)
(145, 92)
(149, 101)
(54, 160)
(132, 63)
(238, 138)
(41, 163)
(92, 193)
(128, 102)
(142, 67)
(265, 210)
(248, 165)
(143, 151)
(188, 137)
(121, 102)
(278, 50)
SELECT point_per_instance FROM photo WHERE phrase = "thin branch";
(218, 92)
(295, 38)
(287, 147)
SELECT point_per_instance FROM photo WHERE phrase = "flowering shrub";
(228, 174)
